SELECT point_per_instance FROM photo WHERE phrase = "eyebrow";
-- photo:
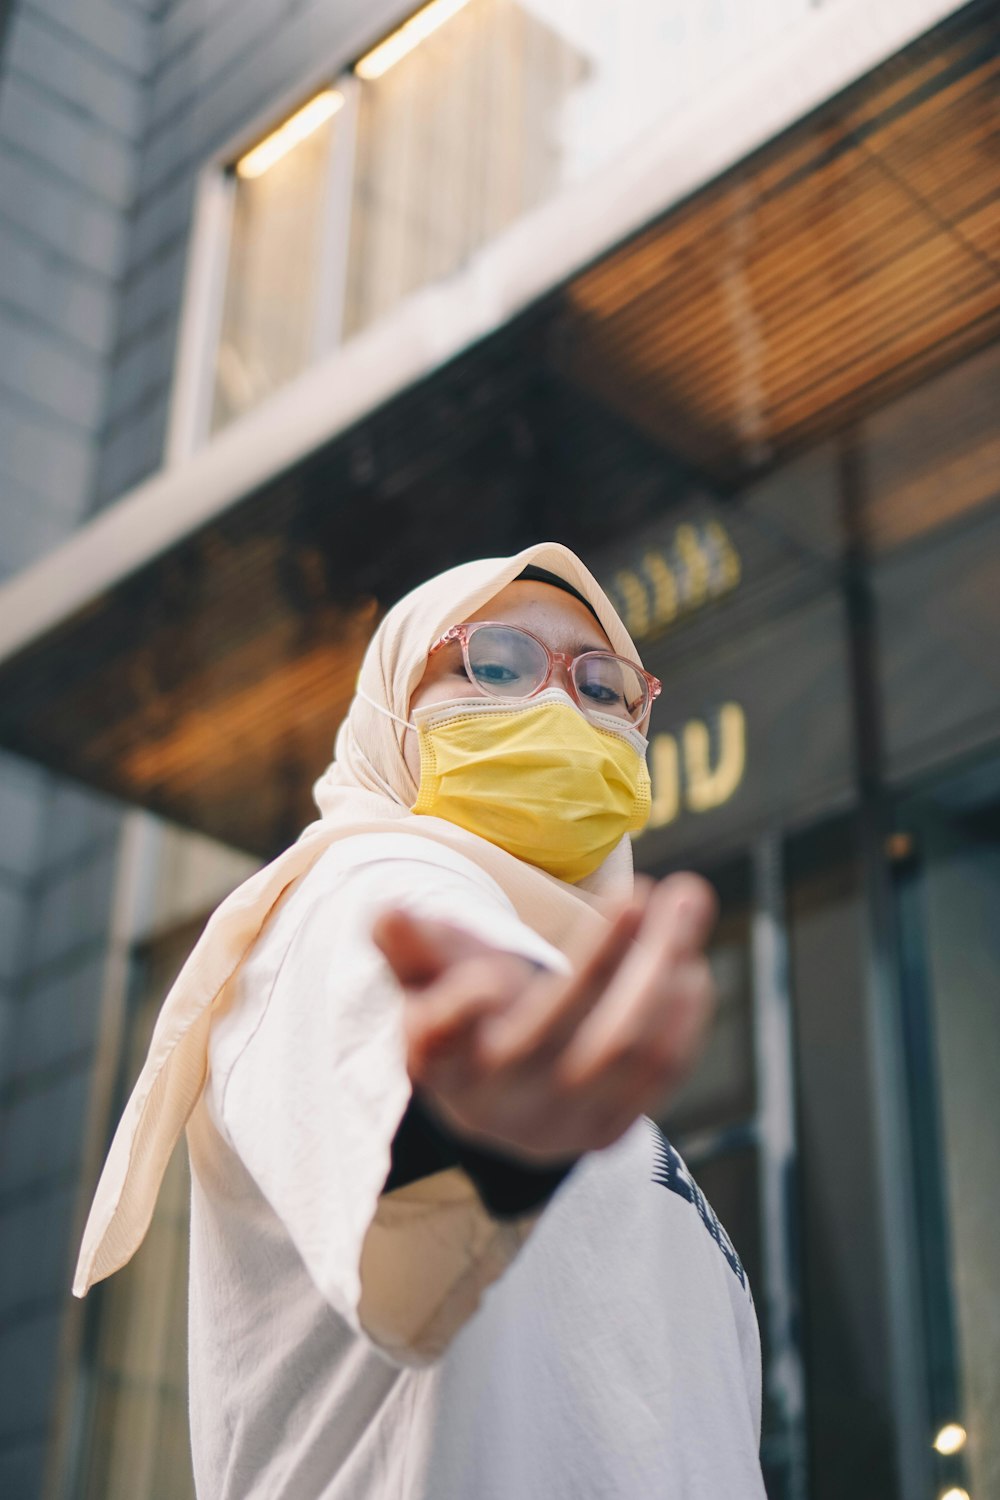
(579, 647)
(576, 647)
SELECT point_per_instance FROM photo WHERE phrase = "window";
(395, 173)
(278, 255)
(456, 141)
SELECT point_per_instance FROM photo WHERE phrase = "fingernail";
(685, 918)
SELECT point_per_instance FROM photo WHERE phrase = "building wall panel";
(80, 822)
(72, 75)
(47, 459)
(48, 287)
(27, 1347)
(21, 1464)
(64, 65)
(133, 449)
(57, 135)
(72, 909)
(42, 1140)
(117, 33)
(138, 373)
(13, 913)
(34, 1235)
(58, 377)
(151, 293)
(60, 1008)
(32, 526)
(22, 785)
(220, 65)
(60, 215)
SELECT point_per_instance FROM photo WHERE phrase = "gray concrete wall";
(55, 887)
(72, 79)
(108, 109)
(71, 113)
(219, 64)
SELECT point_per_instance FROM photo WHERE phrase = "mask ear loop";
(384, 785)
(360, 693)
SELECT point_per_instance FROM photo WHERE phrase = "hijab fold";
(353, 797)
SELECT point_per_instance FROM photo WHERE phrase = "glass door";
(947, 883)
(778, 1125)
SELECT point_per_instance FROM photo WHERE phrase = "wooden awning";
(845, 262)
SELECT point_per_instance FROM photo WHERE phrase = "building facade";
(300, 303)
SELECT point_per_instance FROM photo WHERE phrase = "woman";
(437, 1252)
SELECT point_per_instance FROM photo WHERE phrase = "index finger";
(689, 908)
(540, 1032)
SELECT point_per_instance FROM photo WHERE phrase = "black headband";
(542, 575)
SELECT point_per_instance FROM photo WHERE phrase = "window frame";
(193, 387)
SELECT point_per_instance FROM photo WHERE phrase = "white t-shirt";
(351, 1346)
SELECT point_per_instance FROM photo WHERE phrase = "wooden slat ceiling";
(843, 264)
(208, 687)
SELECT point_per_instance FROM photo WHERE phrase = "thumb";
(415, 959)
(420, 949)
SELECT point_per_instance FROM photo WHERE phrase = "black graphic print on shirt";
(671, 1173)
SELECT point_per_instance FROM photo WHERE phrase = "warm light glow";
(951, 1437)
(412, 32)
(899, 846)
(287, 136)
(955, 1494)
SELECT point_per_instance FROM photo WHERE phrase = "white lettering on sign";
(686, 775)
(699, 565)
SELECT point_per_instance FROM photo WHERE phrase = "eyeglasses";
(505, 661)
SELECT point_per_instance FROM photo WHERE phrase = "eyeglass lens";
(509, 663)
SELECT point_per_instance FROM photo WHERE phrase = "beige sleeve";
(430, 1253)
(312, 1103)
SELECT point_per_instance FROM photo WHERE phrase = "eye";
(599, 693)
(494, 672)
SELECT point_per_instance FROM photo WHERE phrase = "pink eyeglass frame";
(461, 634)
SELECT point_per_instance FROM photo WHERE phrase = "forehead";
(561, 621)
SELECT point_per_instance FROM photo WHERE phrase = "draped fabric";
(366, 789)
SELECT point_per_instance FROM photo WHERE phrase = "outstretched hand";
(549, 1066)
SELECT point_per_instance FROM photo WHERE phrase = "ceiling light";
(287, 136)
(412, 32)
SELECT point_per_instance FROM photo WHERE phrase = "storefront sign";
(754, 730)
(697, 564)
(698, 768)
(709, 567)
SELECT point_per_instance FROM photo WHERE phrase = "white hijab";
(353, 797)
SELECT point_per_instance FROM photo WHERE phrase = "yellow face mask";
(554, 788)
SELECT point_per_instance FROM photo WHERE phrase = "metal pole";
(777, 1158)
